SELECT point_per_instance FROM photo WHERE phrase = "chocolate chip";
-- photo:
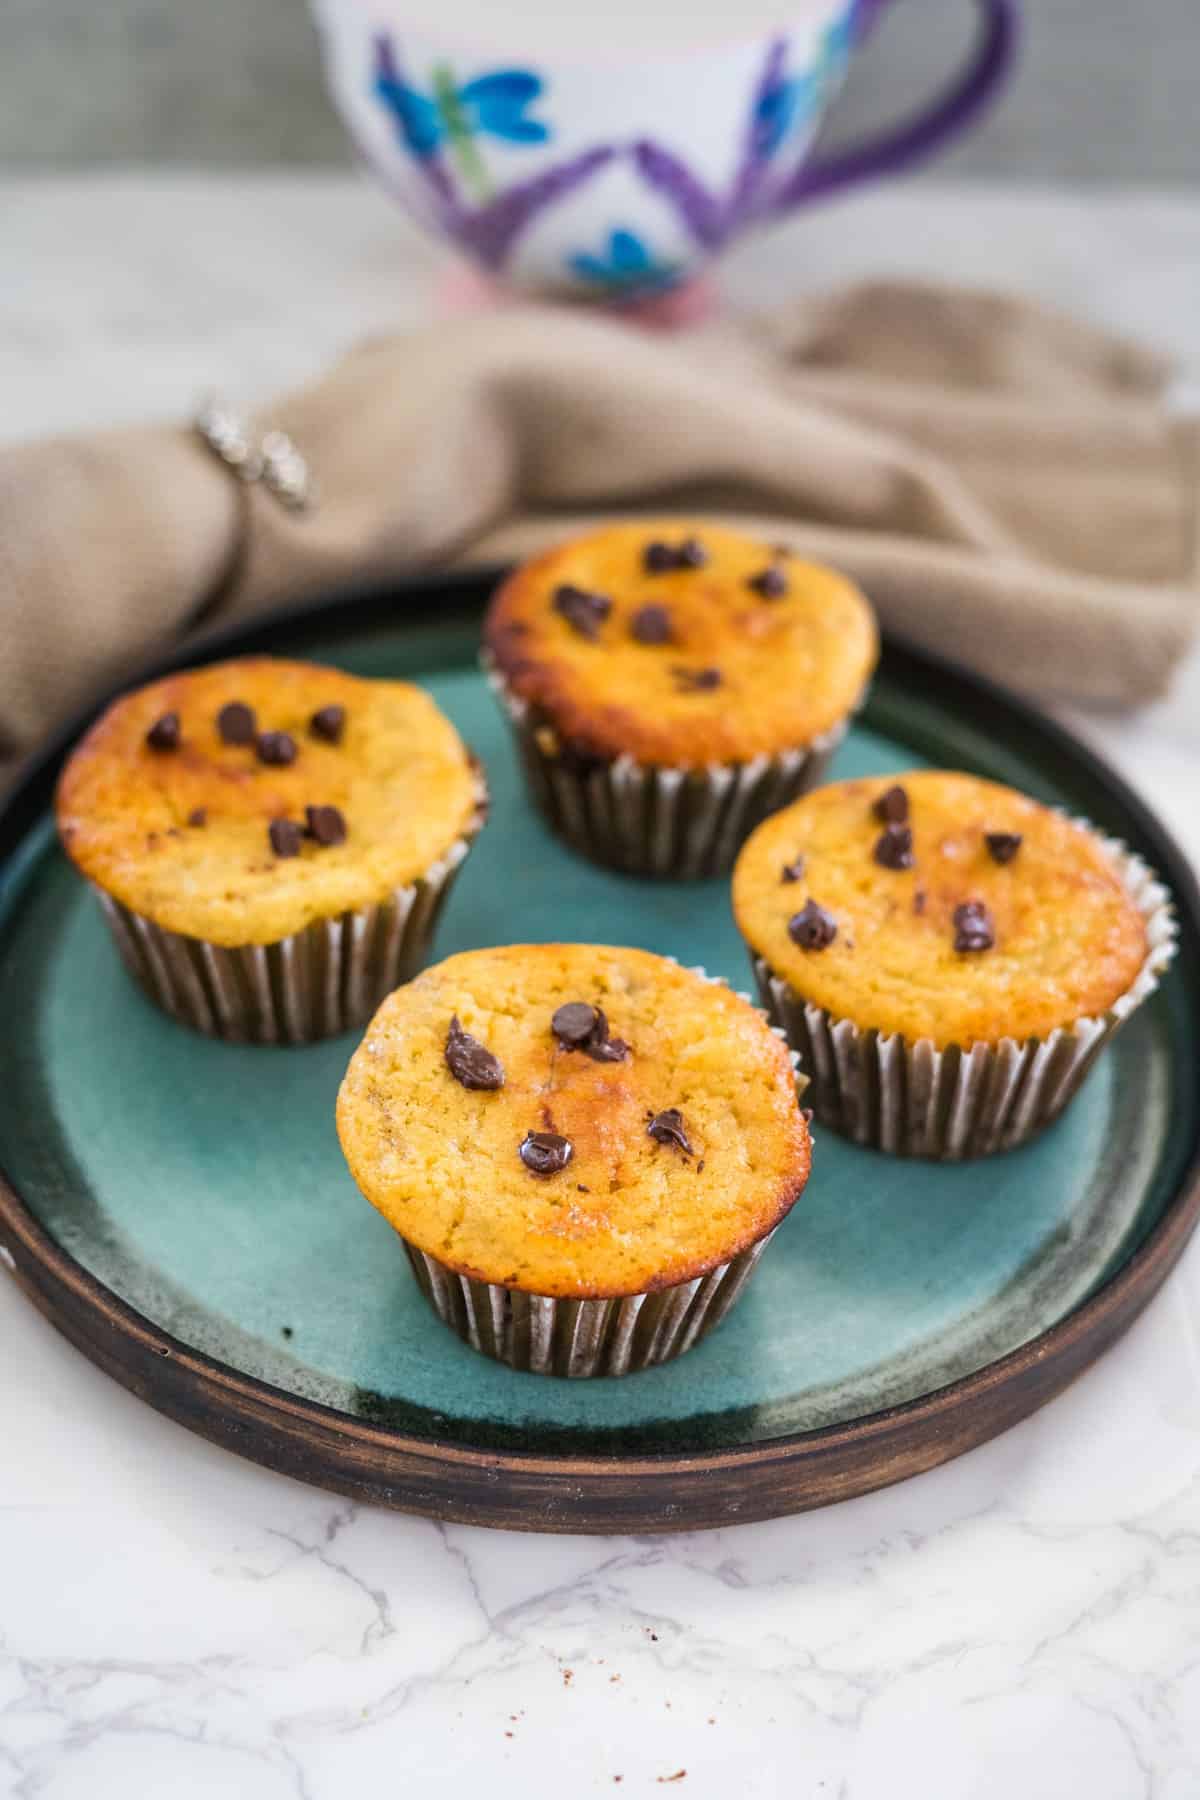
(583, 611)
(771, 583)
(792, 871)
(165, 734)
(1002, 845)
(891, 808)
(328, 723)
(276, 747)
(812, 927)
(285, 836)
(578, 1026)
(198, 816)
(668, 1128)
(894, 847)
(973, 928)
(235, 723)
(574, 1023)
(544, 1152)
(919, 899)
(651, 625)
(326, 824)
(696, 681)
(659, 559)
(470, 1062)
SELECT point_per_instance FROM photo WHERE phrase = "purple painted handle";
(914, 138)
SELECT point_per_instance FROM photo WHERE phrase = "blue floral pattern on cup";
(493, 105)
(626, 265)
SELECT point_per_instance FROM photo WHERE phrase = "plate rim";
(572, 1491)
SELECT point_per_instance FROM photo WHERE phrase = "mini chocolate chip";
(235, 723)
(668, 1128)
(326, 824)
(578, 1026)
(198, 816)
(771, 583)
(165, 734)
(691, 554)
(470, 1062)
(919, 899)
(544, 1152)
(891, 808)
(574, 1023)
(276, 747)
(286, 1331)
(328, 723)
(700, 1167)
(792, 871)
(893, 848)
(583, 611)
(812, 927)
(285, 836)
(659, 559)
(973, 928)
(1002, 845)
(651, 625)
(696, 681)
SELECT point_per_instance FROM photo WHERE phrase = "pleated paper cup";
(547, 1336)
(912, 1098)
(330, 977)
(619, 1335)
(649, 819)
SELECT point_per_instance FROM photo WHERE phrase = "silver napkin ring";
(275, 463)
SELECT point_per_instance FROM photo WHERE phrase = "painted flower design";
(626, 264)
(451, 116)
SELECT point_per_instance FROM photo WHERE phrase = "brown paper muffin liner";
(648, 819)
(576, 1338)
(325, 979)
(913, 1099)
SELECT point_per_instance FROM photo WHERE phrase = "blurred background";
(1107, 90)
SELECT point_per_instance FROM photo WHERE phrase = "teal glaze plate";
(191, 1195)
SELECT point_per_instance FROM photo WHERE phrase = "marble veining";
(174, 1620)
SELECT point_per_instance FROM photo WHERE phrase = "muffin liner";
(325, 979)
(577, 1338)
(649, 819)
(913, 1099)
(547, 1336)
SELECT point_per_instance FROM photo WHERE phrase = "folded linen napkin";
(1006, 484)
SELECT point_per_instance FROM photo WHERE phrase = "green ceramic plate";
(181, 1207)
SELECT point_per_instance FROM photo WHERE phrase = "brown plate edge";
(570, 1493)
(513, 1491)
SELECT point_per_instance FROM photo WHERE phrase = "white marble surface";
(175, 1621)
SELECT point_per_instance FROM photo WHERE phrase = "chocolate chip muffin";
(671, 683)
(584, 1150)
(947, 956)
(271, 841)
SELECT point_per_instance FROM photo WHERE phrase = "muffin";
(271, 841)
(947, 956)
(584, 1150)
(670, 683)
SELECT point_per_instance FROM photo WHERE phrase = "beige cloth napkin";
(1006, 484)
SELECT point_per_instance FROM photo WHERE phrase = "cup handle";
(913, 138)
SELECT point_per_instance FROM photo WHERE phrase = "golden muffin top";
(240, 802)
(573, 1120)
(939, 906)
(681, 643)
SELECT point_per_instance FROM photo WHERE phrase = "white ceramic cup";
(616, 174)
